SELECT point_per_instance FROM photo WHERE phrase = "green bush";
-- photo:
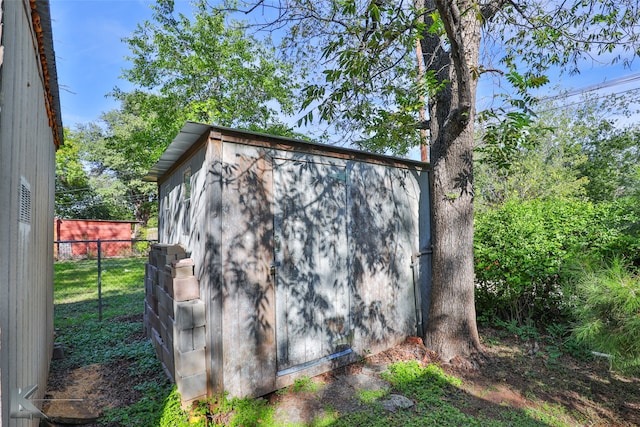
(615, 231)
(608, 313)
(521, 250)
(525, 251)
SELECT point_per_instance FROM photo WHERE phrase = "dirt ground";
(510, 374)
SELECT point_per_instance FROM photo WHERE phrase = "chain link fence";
(100, 266)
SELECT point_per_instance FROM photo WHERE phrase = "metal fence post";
(99, 281)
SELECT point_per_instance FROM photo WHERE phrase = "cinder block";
(148, 285)
(181, 268)
(154, 290)
(189, 314)
(156, 340)
(192, 387)
(164, 300)
(153, 257)
(165, 281)
(164, 331)
(153, 273)
(183, 340)
(168, 361)
(189, 339)
(164, 259)
(163, 315)
(169, 343)
(199, 313)
(199, 337)
(146, 324)
(190, 362)
(152, 318)
(168, 249)
(153, 302)
(186, 288)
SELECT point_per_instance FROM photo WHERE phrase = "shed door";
(312, 291)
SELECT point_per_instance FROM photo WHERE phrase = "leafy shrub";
(521, 250)
(608, 313)
(525, 251)
(615, 231)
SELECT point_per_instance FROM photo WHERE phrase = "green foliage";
(411, 377)
(506, 130)
(521, 250)
(540, 35)
(368, 87)
(525, 332)
(205, 69)
(155, 408)
(371, 396)
(526, 250)
(304, 384)
(75, 197)
(608, 313)
(116, 339)
(613, 159)
(615, 231)
(172, 414)
(119, 155)
(549, 162)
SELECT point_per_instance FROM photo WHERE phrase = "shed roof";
(192, 132)
(41, 17)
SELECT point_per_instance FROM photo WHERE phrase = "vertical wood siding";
(27, 163)
(340, 232)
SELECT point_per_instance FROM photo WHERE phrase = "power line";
(595, 87)
(584, 101)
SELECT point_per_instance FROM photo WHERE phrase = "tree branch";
(489, 9)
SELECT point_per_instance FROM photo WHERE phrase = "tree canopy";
(205, 68)
(75, 196)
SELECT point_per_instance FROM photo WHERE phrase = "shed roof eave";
(193, 131)
(48, 62)
(187, 136)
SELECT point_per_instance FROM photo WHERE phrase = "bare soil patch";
(509, 375)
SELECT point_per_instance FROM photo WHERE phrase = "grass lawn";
(514, 388)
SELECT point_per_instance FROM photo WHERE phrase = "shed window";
(187, 184)
(186, 205)
(166, 224)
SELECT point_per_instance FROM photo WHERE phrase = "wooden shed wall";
(27, 173)
(236, 228)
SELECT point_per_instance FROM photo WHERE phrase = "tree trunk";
(451, 329)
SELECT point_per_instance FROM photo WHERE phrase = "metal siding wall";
(26, 255)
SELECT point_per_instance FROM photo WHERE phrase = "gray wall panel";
(27, 167)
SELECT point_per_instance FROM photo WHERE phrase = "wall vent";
(25, 202)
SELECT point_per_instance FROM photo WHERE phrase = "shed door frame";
(311, 263)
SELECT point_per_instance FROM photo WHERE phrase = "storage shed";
(80, 230)
(308, 256)
(30, 131)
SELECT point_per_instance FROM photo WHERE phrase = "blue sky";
(90, 56)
